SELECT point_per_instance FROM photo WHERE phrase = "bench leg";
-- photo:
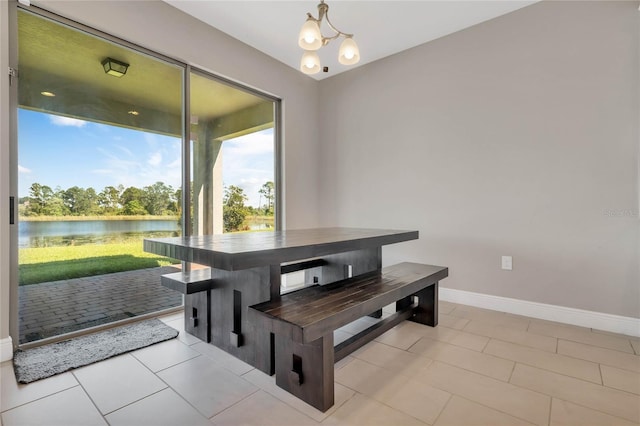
(306, 370)
(403, 304)
(427, 310)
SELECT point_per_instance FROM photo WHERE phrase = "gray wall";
(518, 136)
(162, 28)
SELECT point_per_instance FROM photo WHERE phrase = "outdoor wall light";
(48, 94)
(114, 67)
(311, 39)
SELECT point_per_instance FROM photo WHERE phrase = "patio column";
(207, 183)
(208, 136)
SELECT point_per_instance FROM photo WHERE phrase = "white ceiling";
(381, 28)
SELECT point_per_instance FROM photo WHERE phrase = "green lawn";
(44, 264)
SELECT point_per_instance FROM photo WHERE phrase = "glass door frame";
(186, 154)
(186, 146)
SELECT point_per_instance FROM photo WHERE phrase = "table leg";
(197, 315)
(275, 278)
(344, 265)
(230, 330)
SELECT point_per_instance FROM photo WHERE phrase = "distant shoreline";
(92, 218)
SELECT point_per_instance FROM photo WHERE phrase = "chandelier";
(311, 39)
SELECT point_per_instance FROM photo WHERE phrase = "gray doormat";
(48, 360)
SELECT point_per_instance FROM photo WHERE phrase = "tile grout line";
(42, 397)
(447, 363)
(137, 400)
(570, 377)
(575, 402)
(487, 406)
(594, 409)
(444, 407)
(168, 386)
(89, 396)
(296, 409)
(610, 335)
(155, 373)
(200, 354)
(601, 376)
(133, 402)
(525, 332)
(241, 376)
(444, 341)
(511, 374)
(546, 368)
(385, 405)
(258, 389)
(451, 393)
(598, 347)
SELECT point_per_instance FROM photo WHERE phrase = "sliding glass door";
(232, 151)
(99, 149)
(102, 138)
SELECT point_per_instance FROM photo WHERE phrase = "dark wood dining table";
(246, 269)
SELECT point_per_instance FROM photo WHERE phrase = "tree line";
(158, 199)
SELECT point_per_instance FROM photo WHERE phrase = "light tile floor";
(478, 367)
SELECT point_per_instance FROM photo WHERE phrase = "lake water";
(46, 234)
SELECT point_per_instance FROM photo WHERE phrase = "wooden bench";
(194, 283)
(303, 322)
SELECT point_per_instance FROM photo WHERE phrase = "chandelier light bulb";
(310, 62)
(310, 37)
(349, 53)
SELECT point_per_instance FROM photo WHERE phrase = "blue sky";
(65, 152)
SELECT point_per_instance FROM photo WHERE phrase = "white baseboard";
(6, 349)
(596, 320)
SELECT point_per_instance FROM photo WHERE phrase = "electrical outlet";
(507, 263)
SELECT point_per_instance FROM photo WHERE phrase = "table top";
(248, 250)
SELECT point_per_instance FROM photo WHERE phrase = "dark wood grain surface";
(247, 250)
(310, 313)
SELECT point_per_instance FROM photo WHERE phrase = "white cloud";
(102, 171)
(177, 163)
(66, 121)
(155, 159)
(248, 163)
(124, 149)
(122, 166)
(252, 144)
(23, 169)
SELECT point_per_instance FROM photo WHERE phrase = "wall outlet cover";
(507, 263)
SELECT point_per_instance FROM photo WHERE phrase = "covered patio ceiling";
(68, 63)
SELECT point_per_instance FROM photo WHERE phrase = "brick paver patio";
(53, 308)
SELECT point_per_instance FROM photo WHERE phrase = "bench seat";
(303, 322)
(194, 281)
